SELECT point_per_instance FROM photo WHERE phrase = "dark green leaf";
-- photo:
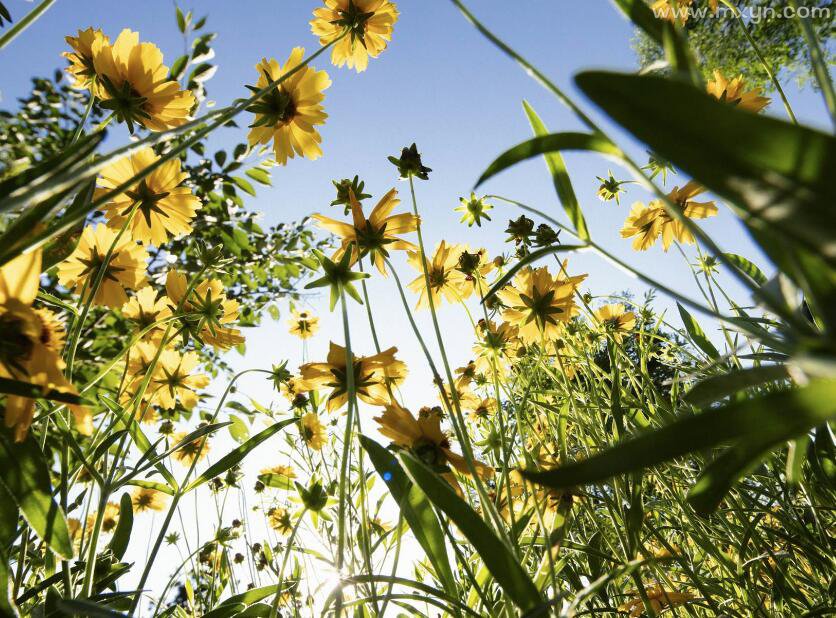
(79, 607)
(236, 455)
(696, 333)
(124, 526)
(36, 391)
(777, 175)
(715, 388)
(416, 510)
(721, 474)
(745, 266)
(560, 177)
(554, 142)
(25, 475)
(178, 67)
(498, 559)
(768, 420)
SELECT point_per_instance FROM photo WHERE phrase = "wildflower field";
(443, 427)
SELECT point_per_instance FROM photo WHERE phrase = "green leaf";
(560, 177)
(236, 455)
(259, 174)
(276, 481)
(768, 421)
(151, 485)
(499, 560)
(238, 429)
(721, 474)
(777, 175)
(697, 334)
(416, 510)
(25, 475)
(246, 598)
(79, 607)
(178, 67)
(745, 266)
(9, 514)
(8, 609)
(124, 526)
(715, 388)
(554, 142)
(181, 20)
(244, 185)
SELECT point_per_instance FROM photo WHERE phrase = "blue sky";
(440, 84)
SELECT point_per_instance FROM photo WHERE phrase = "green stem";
(24, 23)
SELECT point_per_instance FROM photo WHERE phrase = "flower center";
(146, 201)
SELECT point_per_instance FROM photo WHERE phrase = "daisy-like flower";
(133, 82)
(660, 599)
(81, 71)
(495, 346)
(208, 304)
(282, 475)
(733, 93)
(615, 320)
(164, 208)
(148, 499)
(446, 280)
(190, 451)
(110, 517)
(369, 24)
(279, 520)
(611, 188)
(303, 324)
(289, 113)
(313, 431)
(175, 380)
(30, 344)
(539, 303)
(473, 210)
(424, 438)
(148, 307)
(647, 223)
(125, 270)
(375, 236)
(483, 409)
(370, 376)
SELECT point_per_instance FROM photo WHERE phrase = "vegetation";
(595, 457)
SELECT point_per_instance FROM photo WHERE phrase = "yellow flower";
(147, 307)
(313, 431)
(648, 223)
(279, 520)
(369, 24)
(615, 320)
(147, 499)
(374, 236)
(445, 278)
(208, 302)
(81, 71)
(190, 451)
(483, 409)
(732, 92)
(370, 376)
(126, 268)
(175, 381)
(303, 324)
(424, 438)
(31, 342)
(288, 114)
(495, 346)
(133, 82)
(285, 471)
(643, 225)
(110, 517)
(164, 208)
(539, 303)
(659, 599)
(473, 210)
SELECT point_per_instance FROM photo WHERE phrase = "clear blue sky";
(439, 84)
